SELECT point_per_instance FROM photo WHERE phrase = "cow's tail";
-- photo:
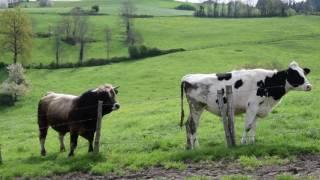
(42, 121)
(182, 111)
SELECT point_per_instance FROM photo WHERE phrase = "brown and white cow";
(75, 114)
(255, 92)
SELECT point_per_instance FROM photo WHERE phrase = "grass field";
(145, 132)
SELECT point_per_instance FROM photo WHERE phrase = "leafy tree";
(17, 33)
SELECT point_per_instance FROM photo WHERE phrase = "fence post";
(230, 111)
(98, 128)
(224, 116)
(0, 155)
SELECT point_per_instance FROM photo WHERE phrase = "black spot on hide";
(238, 84)
(224, 76)
(273, 86)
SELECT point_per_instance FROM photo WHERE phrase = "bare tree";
(249, 5)
(83, 29)
(127, 12)
(66, 25)
(223, 9)
(216, 8)
(108, 38)
(57, 32)
(210, 8)
(76, 14)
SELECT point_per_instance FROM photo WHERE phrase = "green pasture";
(145, 131)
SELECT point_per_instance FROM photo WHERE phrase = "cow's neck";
(275, 86)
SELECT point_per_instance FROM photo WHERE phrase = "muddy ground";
(307, 165)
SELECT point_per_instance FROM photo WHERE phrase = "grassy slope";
(145, 132)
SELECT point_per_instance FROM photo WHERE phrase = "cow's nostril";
(309, 87)
(116, 106)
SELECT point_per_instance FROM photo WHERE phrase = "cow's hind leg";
(89, 135)
(73, 142)
(42, 137)
(43, 129)
(61, 140)
(192, 125)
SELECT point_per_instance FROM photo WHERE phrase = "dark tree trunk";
(81, 55)
(57, 57)
(108, 51)
(15, 53)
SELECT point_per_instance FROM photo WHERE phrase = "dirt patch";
(307, 165)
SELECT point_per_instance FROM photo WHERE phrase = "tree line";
(263, 8)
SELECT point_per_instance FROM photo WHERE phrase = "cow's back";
(56, 107)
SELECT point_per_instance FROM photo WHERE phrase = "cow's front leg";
(61, 140)
(249, 124)
(73, 142)
(253, 132)
(89, 135)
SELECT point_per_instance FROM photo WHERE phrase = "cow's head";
(296, 77)
(107, 94)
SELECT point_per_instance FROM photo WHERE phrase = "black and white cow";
(255, 92)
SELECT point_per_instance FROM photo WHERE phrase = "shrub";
(186, 6)
(6, 99)
(95, 8)
(134, 52)
(2, 65)
(70, 40)
(43, 35)
(16, 83)
(142, 51)
(290, 12)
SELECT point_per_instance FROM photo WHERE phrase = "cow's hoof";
(70, 155)
(43, 152)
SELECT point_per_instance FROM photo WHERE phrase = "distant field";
(145, 132)
(45, 18)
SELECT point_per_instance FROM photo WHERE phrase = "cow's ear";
(306, 71)
(116, 89)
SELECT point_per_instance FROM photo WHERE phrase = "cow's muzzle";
(308, 87)
(115, 106)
